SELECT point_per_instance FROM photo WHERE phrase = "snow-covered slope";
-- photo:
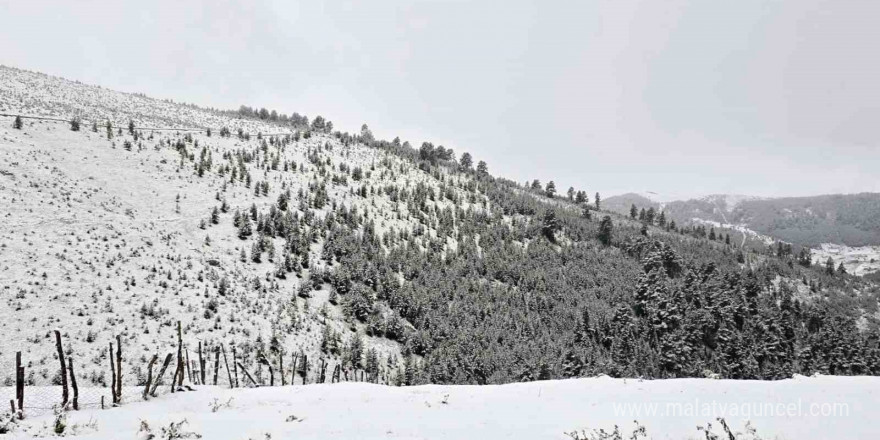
(802, 408)
(861, 260)
(37, 94)
(114, 236)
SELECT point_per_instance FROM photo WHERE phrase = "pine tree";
(606, 230)
(244, 230)
(326, 340)
(840, 269)
(466, 161)
(598, 200)
(633, 211)
(270, 252)
(256, 252)
(829, 266)
(74, 124)
(131, 127)
(570, 193)
(16, 124)
(805, 257)
(223, 287)
(409, 371)
(482, 168)
(550, 226)
(109, 130)
(356, 351)
(550, 190)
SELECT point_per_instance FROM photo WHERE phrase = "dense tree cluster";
(493, 284)
(296, 120)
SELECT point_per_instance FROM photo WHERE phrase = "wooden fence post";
(19, 384)
(216, 364)
(281, 366)
(65, 394)
(73, 385)
(235, 366)
(165, 364)
(304, 368)
(178, 374)
(201, 366)
(271, 372)
(189, 372)
(146, 394)
(226, 361)
(118, 369)
(293, 368)
(248, 375)
(113, 374)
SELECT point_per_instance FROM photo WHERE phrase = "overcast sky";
(682, 98)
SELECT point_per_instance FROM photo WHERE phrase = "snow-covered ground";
(801, 408)
(99, 239)
(743, 229)
(857, 260)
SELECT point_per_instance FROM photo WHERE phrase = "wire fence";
(208, 365)
(41, 400)
(175, 129)
(44, 400)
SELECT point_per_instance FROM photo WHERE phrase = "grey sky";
(679, 97)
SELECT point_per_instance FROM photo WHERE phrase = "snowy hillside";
(127, 235)
(314, 257)
(37, 94)
(862, 260)
(803, 408)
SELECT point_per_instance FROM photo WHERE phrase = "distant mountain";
(850, 219)
(622, 203)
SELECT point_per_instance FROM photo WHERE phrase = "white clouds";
(609, 95)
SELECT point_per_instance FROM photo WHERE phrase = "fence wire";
(181, 129)
(44, 400)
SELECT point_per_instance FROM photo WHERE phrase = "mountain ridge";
(848, 219)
